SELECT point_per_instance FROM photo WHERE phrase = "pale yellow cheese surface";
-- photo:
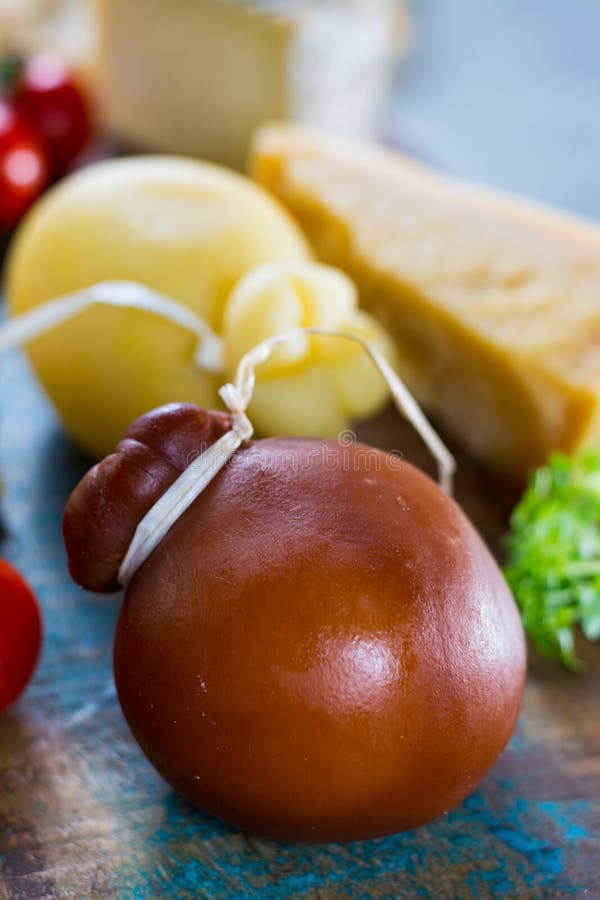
(196, 77)
(494, 303)
(186, 229)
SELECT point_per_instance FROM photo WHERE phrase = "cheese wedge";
(493, 302)
(197, 76)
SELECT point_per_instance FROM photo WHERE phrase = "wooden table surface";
(82, 814)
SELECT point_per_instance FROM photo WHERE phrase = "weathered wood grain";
(82, 814)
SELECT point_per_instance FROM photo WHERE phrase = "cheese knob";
(310, 385)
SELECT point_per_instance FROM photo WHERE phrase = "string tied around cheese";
(237, 397)
(209, 356)
(125, 294)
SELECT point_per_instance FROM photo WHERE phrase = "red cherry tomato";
(23, 166)
(53, 105)
(20, 634)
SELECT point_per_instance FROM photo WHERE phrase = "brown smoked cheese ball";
(321, 648)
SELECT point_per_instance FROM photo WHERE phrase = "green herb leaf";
(553, 554)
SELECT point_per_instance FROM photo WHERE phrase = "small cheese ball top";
(311, 384)
(100, 520)
(321, 648)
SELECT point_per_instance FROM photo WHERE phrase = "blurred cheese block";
(197, 76)
(66, 27)
(494, 303)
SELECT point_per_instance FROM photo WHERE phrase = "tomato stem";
(10, 72)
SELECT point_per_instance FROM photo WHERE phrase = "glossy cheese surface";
(320, 648)
(494, 303)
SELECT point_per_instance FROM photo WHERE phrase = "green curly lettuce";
(553, 555)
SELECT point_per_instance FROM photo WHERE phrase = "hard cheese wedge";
(494, 303)
(197, 77)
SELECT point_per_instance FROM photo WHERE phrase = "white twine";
(209, 356)
(237, 396)
(127, 294)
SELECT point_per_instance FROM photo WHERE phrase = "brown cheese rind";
(106, 507)
(322, 647)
